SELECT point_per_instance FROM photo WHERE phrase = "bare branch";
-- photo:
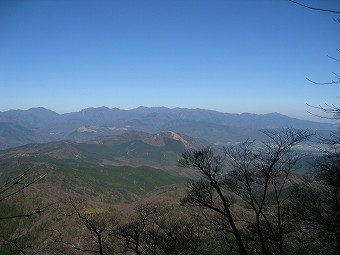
(333, 58)
(27, 214)
(329, 109)
(59, 239)
(15, 247)
(324, 83)
(314, 8)
(16, 184)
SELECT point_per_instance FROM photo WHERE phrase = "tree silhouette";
(208, 191)
(258, 177)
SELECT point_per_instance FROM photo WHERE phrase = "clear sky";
(231, 56)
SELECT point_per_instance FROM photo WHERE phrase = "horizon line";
(165, 107)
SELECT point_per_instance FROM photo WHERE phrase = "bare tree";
(259, 177)
(142, 235)
(152, 230)
(183, 236)
(155, 231)
(315, 205)
(13, 186)
(208, 192)
(98, 230)
(20, 239)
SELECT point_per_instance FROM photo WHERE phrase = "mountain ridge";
(39, 125)
(116, 113)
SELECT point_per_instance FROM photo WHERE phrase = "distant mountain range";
(40, 125)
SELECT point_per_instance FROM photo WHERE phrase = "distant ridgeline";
(39, 125)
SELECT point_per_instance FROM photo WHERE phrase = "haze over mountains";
(38, 125)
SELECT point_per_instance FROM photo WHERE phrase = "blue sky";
(231, 56)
